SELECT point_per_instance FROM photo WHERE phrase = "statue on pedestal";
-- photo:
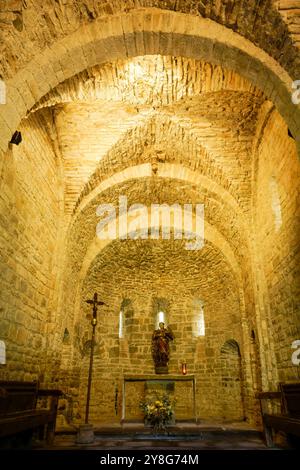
(161, 349)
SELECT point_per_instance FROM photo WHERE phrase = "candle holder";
(183, 368)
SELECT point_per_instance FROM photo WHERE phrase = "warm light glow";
(183, 368)
(161, 317)
(198, 322)
(150, 72)
(2, 352)
(201, 323)
(135, 71)
(121, 319)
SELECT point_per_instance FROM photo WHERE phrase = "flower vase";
(159, 427)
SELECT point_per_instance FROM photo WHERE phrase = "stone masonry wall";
(29, 219)
(277, 231)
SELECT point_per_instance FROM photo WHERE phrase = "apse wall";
(139, 277)
(29, 219)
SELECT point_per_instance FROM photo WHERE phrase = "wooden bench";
(19, 414)
(288, 420)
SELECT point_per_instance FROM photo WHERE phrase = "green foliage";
(158, 411)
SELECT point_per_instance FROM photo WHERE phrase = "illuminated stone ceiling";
(153, 108)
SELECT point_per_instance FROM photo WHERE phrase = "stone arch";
(164, 170)
(200, 159)
(125, 81)
(144, 32)
(231, 346)
(211, 234)
(232, 381)
(272, 25)
(94, 245)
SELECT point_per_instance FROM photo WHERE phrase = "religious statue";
(161, 349)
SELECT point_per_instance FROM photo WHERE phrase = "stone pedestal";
(85, 434)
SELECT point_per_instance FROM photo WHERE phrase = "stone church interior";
(107, 109)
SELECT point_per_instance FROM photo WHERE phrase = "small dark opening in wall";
(16, 138)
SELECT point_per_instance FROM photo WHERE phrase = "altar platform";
(180, 388)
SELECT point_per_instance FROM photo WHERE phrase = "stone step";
(186, 431)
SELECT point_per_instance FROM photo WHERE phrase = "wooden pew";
(19, 414)
(288, 420)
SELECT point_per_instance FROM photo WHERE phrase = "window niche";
(198, 318)
(66, 337)
(160, 310)
(2, 353)
(231, 380)
(126, 315)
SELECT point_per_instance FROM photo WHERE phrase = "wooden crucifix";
(95, 303)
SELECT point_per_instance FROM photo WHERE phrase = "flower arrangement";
(158, 412)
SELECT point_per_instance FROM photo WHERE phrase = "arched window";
(160, 311)
(121, 324)
(201, 322)
(2, 92)
(2, 352)
(126, 315)
(198, 318)
(161, 317)
(275, 199)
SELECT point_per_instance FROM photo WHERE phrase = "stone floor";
(182, 436)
